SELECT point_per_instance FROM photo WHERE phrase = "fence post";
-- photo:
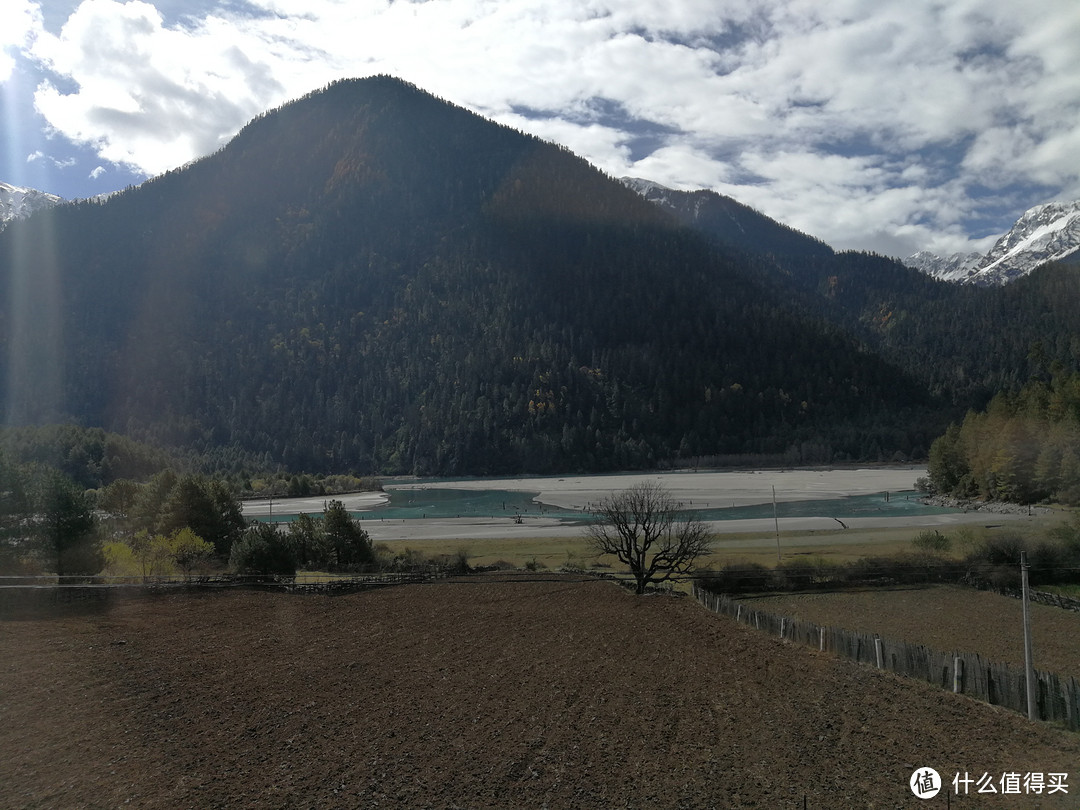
(783, 622)
(877, 653)
(957, 676)
(1071, 704)
(821, 639)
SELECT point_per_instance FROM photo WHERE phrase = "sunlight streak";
(32, 324)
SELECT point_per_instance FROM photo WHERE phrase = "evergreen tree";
(66, 527)
(351, 544)
(263, 552)
(14, 516)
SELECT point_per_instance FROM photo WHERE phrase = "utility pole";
(776, 520)
(1029, 666)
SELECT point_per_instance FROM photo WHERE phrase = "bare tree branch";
(643, 528)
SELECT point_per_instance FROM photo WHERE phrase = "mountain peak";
(1044, 233)
(17, 202)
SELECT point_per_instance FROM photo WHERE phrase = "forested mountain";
(372, 280)
(961, 343)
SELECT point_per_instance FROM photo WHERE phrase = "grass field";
(551, 552)
(829, 546)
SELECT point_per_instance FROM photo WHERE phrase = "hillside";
(963, 343)
(372, 279)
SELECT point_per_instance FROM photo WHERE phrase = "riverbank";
(700, 491)
(987, 507)
(710, 489)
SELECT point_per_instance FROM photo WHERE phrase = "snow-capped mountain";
(17, 202)
(1045, 233)
(951, 268)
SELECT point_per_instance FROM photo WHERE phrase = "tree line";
(166, 525)
(1023, 448)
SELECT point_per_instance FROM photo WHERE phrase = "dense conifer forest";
(370, 280)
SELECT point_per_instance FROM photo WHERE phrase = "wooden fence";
(1040, 597)
(1057, 697)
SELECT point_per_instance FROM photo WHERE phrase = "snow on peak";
(957, 267)
(646, 188)
(17, 202)
(1045, 233)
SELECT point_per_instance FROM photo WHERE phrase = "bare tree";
(644, 528)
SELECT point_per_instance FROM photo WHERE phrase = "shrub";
(1002, 577)
(1068, 535)
(740, 577)
(931, 540)
(996, 562)
(966, 539)
(1003, 550)
(1047, 563)
(405, 560)
(189, 551)
(902, 569)
(120, 560)
(456, 563)
(797, 575)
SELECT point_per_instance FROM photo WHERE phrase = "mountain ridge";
(922, 324)
(370, 279)
(727, 220)
(17, 202)
(1044, 233)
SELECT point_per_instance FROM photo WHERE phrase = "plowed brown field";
(946, 618)
(484, 694)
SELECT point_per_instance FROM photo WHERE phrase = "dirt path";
(487, 694)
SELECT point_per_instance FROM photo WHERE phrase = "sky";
(884, 125)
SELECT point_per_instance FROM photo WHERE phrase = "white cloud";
(37, 155)
(148, 96)
(20, 20)
(865, 122)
